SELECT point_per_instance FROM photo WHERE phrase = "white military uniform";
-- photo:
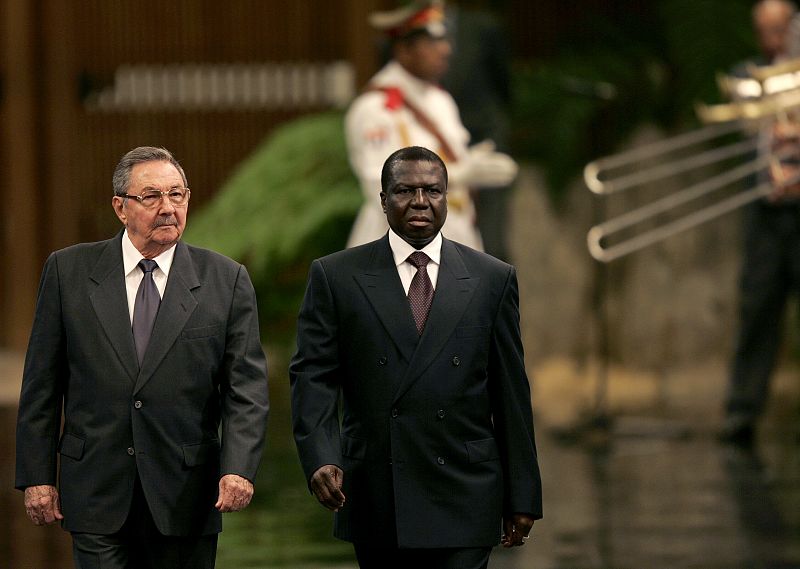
(379, 122)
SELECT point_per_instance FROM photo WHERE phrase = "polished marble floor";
(651, 490)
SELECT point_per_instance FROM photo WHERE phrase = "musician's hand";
(784, 168)
(783, 131)
(785, 181)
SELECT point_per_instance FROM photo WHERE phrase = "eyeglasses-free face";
(416, 201)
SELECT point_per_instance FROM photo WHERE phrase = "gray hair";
(122, 173)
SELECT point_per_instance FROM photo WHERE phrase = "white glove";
(483, 167)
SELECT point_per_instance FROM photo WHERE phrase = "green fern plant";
(293, 199)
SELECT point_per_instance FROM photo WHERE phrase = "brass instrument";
(768, 97)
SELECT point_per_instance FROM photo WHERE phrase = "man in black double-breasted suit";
(434, 456)
(162, 428)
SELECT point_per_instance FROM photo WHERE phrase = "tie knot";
(418, 259)
(148, 265)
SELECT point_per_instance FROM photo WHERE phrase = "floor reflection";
(665, 503)
(655, 502)
(760, 514)
(23, 545)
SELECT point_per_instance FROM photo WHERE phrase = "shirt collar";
(131, 256)
(401, 249)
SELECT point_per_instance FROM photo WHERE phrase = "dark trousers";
(447, 558)
(139, 545)
(770, 273)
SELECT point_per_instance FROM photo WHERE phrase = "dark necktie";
(420, 293)
(145, 308)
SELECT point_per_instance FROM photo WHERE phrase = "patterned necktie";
(145, 308)
(420, 293)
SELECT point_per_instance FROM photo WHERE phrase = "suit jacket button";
(440, 413)
(395, 413)
(456, 361)
(382, 360)
(137, 404)
(440, 460)
(131, 451)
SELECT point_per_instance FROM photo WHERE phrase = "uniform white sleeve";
(478, 166)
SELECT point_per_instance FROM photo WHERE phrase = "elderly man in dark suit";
(152, 348)
(434, 456)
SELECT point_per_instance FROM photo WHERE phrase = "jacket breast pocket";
(71, 446)
(482, 450)
(201, 332)
(200, 453)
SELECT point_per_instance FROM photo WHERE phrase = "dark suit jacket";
(436, 437)
(204, 367)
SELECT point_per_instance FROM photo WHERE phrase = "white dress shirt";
(133, 274)
(401, 250)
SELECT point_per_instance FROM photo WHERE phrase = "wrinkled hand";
(517, 528)
(235, 493)
(42, 504)
(485, 167)
(326, 484)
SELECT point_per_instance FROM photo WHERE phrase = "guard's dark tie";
(145, 308)
(420, 293)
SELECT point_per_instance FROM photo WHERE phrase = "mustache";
(165, 220)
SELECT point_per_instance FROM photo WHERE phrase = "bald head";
(771, 19)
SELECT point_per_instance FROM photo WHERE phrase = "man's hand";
(784, 169)
(326, 484)
(517, 529)
(786, 181)
(42, 504)
(235, 493)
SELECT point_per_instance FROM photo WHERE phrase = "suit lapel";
(454, 290)
(382, 286)
(109, 300)
(176, 308)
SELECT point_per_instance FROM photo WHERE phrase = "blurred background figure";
(770, 270)
(403, 105)
(479, 79)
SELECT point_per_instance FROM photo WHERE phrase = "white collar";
(401, 249)
(131, 256)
